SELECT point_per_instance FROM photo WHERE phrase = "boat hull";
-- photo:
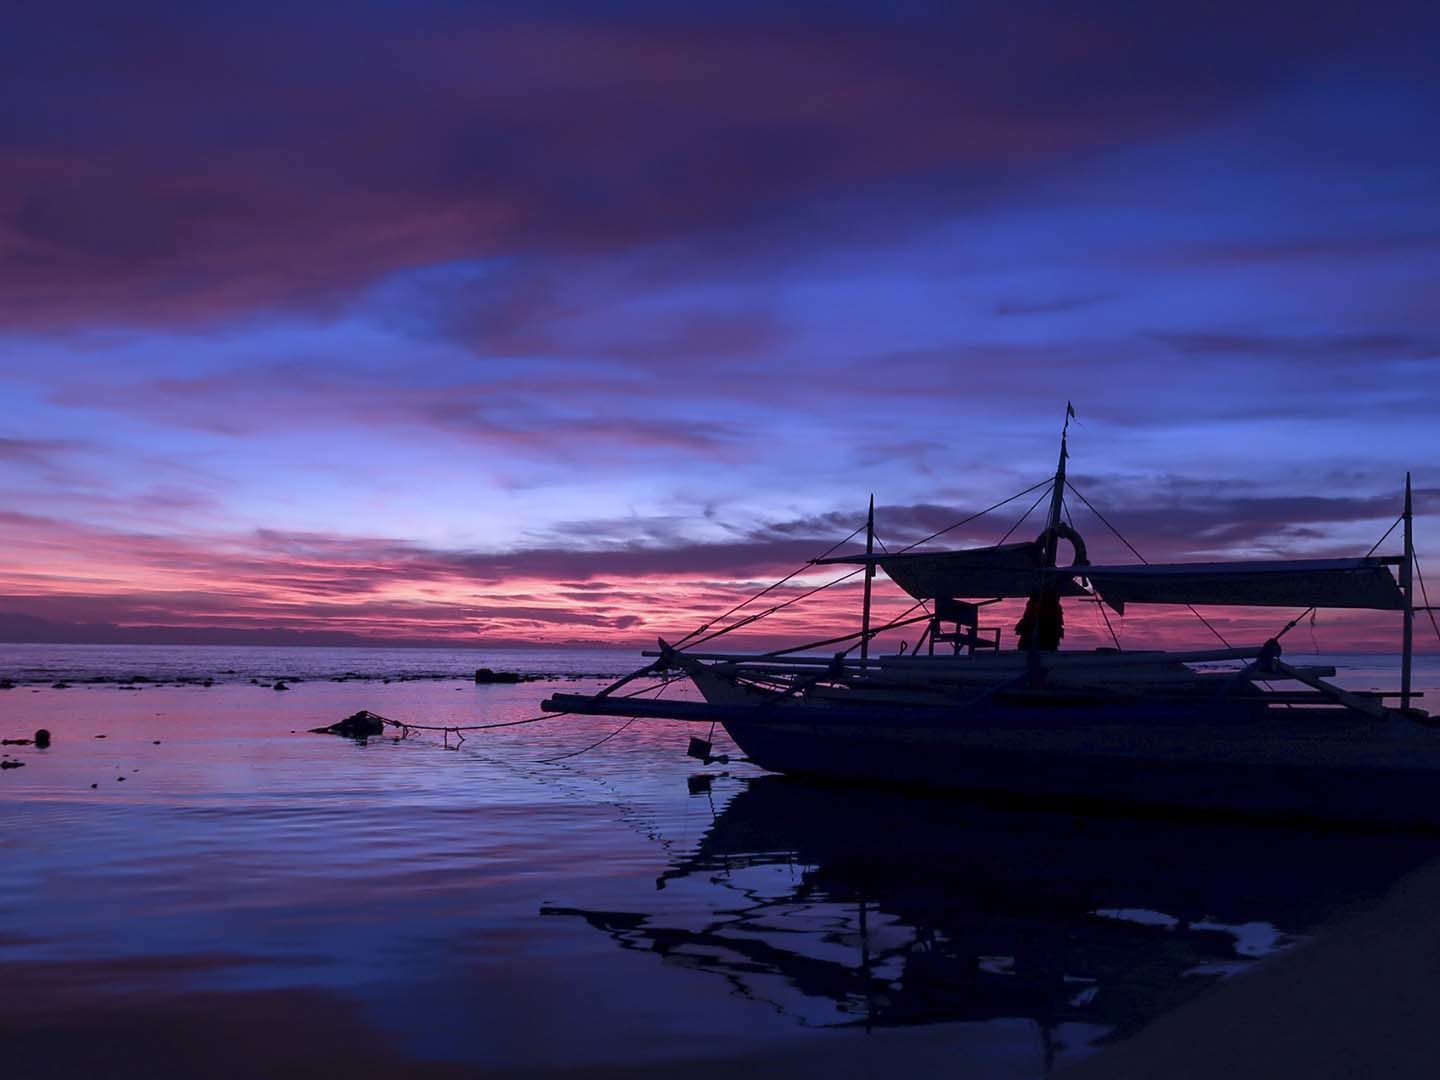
(1322, 769)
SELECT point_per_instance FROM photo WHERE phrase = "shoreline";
(1357, 1000)
(267, 681)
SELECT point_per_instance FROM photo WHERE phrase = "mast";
(1043, 623)
(1057, 494)
(869, 578)
(1407, 586)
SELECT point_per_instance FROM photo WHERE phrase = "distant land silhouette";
(16, 628)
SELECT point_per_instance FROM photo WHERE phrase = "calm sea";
(191, 883)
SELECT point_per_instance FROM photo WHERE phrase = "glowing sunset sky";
(547, 322)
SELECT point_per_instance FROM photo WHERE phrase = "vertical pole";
(1057, 500)
(869, 578)
(1036, 607)
(1407, 586)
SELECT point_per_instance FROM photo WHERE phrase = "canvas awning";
(1014, 570)
(1323, 583)
(1002, 571)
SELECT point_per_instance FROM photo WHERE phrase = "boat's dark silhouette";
(1144, 727)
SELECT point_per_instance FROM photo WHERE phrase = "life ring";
(1065, 532)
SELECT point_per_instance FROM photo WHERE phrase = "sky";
(510, 323)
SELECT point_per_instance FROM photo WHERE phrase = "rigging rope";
(923, 603)
(1099, 600)
(1426, 596)
(778, 607)
(699, 635)
(1105, 521)
(769, 588)
(1311, 609)
(1011, 531)
(899, 621)
(1385, 537)
(972, 517)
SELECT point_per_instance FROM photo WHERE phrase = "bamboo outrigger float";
(1138, 727)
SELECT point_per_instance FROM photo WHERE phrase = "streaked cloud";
(432, 322)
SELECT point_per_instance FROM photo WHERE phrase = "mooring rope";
(457, 730)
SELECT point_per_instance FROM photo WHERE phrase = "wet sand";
(1359, 1001)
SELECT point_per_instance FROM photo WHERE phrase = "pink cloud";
(604, 586)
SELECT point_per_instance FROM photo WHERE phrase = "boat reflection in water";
(843, 906)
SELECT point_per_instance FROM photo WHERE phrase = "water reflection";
(840, 906)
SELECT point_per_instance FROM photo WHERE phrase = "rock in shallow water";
(485, 675)
(357, 726)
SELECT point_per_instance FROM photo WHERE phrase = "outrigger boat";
(1109, 725)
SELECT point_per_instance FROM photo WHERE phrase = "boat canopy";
(1004, 571)
(1016, 570)
(1325, 583)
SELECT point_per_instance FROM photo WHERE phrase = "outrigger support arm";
(666, 661)
(1365, 706)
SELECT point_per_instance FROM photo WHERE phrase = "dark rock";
(208, 682)
(281, 686)
(42, 738)
(155, 742)
(358, 726)
(60, 686)
(6, 684)
(119, 779)
(15, 742)
(12, 764)
(94, 786)
(100, 736)
(485, 675)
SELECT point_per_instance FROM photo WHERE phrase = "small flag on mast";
(1069, 411)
